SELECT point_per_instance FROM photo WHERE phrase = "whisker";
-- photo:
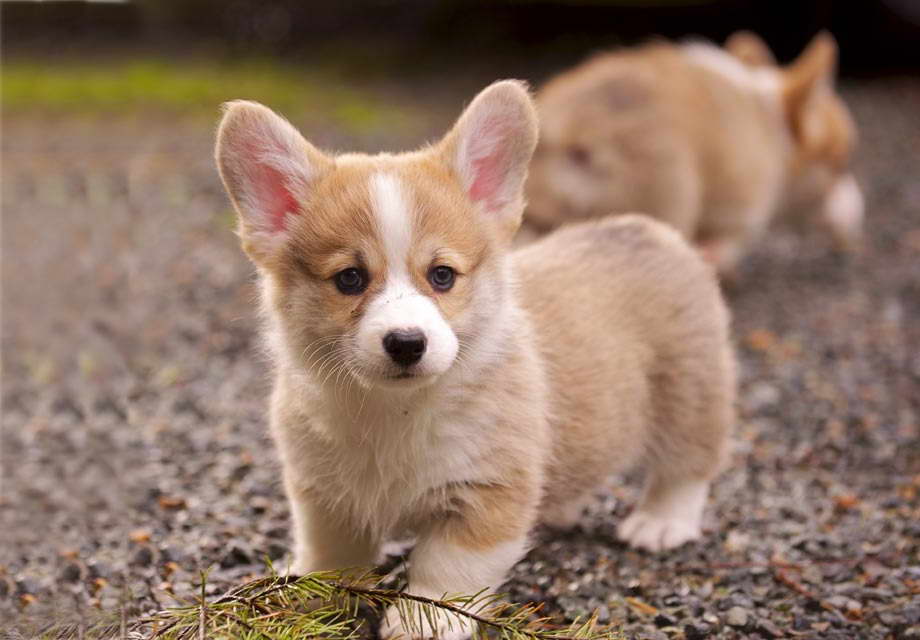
(319, 343)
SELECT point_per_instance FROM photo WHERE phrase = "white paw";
(656, 532)
(446, 626)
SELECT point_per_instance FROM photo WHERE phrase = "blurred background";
(133, 446)
(877, 35)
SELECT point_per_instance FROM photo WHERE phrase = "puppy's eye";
(442, 278)
(579, 155)
(351, 281)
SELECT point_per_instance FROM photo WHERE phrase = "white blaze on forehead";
(400, 304)
(394, 222)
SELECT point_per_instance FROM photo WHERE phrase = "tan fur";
(821, 125)
(598, 348)
(678, 133)
(750, 49)
(660, 372)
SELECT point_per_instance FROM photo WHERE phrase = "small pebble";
(662, 620)
(72, 572)
(142, 557)
(737, 617)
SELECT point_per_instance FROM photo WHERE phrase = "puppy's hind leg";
(564, 515)
(685, 452)
(669, 514)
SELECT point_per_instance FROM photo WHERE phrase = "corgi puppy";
(428, 379)
(714, 141)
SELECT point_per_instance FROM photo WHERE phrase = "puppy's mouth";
(406, 379)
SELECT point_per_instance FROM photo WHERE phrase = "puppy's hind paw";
(656, 532)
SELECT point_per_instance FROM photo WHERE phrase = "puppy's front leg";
(323, 540)
(464, 554)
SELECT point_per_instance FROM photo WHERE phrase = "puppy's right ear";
(750, 48)
(267, 168)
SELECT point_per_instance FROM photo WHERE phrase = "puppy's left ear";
(490, 148)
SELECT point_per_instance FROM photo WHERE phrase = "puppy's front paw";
(446, 626)
(657, 532)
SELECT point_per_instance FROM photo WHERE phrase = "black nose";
(405, 347)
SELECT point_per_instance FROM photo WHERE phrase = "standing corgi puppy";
(713, 141)
(430, 380)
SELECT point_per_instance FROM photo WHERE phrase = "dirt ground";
(134, 448)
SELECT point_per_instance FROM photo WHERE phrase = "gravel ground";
(134, 450)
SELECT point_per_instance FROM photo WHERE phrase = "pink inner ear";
(489, 163)
(268, 197)
(274, 198)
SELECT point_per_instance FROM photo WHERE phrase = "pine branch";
(328, 606)
(284, 600)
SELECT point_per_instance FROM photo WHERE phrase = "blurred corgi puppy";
(713, 141)
(428, 379)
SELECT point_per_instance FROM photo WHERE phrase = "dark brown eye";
(351, 281)
(442, 278)
(579, 155)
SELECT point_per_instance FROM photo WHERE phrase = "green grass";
(191, 88)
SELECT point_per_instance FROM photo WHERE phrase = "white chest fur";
(380, 464)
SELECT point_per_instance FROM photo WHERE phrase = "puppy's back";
(633, 328)
(666, 132)
(608, 140)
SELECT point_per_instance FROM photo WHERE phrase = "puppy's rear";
(635, 335)
(713, 141)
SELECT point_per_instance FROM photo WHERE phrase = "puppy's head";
(822, 131)
(380, 269)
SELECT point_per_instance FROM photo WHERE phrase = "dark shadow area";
(876, 36)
